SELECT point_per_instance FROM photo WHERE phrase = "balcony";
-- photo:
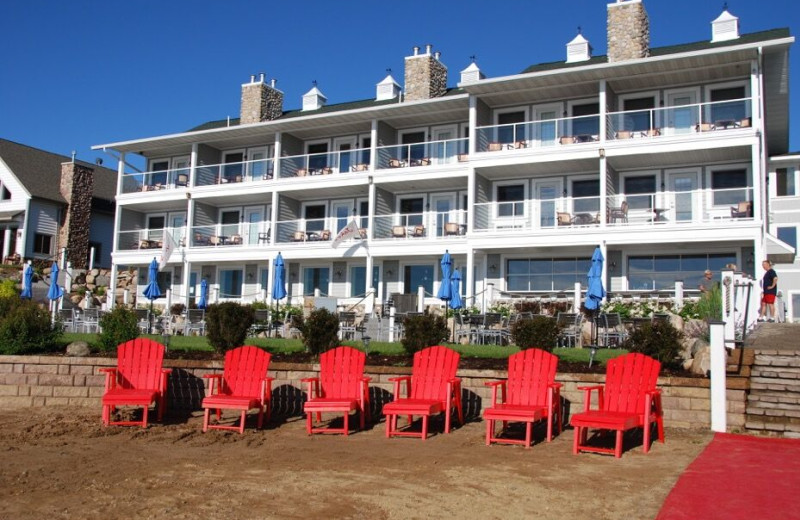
(309, 165)
(415, 226)
(155, 180)
(239, 172)
(429, 153)
(149, 239)
(544, 134)
(231, 235)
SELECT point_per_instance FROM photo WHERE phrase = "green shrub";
(227, 324)
(119, 325)
(8, 288)
(320, 331)
(709, 306)
(26, 327)
(424, 331)
(659, 340)
(259, 305)
(538, 332)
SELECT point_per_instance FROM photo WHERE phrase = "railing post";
(420, 299)
(718, 358)
(728, 290)
(392, 312)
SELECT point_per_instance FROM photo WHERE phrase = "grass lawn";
(281, 345)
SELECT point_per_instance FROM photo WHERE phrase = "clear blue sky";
(84, 72)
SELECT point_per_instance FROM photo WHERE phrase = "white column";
(576, 297)
(420, 299)
(488, 298)
(274, 220)
(603, 111)
(473, 124)
(187, 276)
(392, 312)
(469, 281)
(471, 199)
(373, 150)
(68, 278)
(277, 156)
(6, 242)
(111, 293)
(193, 168)
(126, 296)
(603, 190)
(718, 361)
(678, 301)
(91, 258)
(371, 212)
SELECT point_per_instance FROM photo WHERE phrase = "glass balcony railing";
(429, 224)
(538, 134)
(681, 207)
(449, 151)
(140, 239)
(155, 180)
(307, 165)
(232, 173)
(244, 234)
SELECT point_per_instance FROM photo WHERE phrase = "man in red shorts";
(769, 288)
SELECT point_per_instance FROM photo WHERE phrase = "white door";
(178, 222)
(345, 157)
(544, 130)
(254, 218)
(444, 211)
(342, 213)
(683, 113)
(683, 189)
(445, 147)
(547, 194)
(258, 164)
(180, 171)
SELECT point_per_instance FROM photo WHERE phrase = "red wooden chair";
(431, 389)
(138, 380)
(529, 395)
(243, 385)
(341, 387)
(628, 400)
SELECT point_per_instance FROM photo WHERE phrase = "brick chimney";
(426, 76)
(260, 102)
(628, 31)
(77, 186)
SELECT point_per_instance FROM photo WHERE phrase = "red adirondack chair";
(431, 389)
(628, 400)
(529, 395)
(341, 387)
(243, 385)
(138, 380)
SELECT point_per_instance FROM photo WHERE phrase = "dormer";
(725, 27)
(578, 49)
(387, 89)
(472, 74)
(314, 99)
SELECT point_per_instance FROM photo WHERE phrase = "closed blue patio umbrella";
(278, 282)
(202, 302)
(151, 291)
(594, 289)
(27, 282)
(55, 291)
(455, 299)
(445, 287)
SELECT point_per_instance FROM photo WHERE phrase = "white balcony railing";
(219, 235)
(230, 173)
(307, 165)
(155, 180)
(140, 239)
(427, 153)
(538, 134)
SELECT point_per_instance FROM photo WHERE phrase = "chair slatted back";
(340, 372)
(139, 363)
(433, 368)
(628, 377)
(529, 374)
(245, 367)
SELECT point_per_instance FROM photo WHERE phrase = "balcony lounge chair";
(451, 228)
(495, 146)
(396, 163)
(620, 213)
(742, 210)
(418, 231)
(564, 219)
(298, 236)
(398, 231)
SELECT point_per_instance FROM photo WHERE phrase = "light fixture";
(388, 272)
(612, 265)
(564, 193)
(592, 352)
(493, 267)
(602, 152)
(663, 186)
(250, 276)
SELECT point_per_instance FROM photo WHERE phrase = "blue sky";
(86, 72)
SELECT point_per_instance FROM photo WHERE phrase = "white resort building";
(658, 155)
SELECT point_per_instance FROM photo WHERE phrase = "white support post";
(68, 278)
(126, 297)
(678, 300)
(576, 298)
(420, 299)
(169, 298)
(369, 301)
(87, 298)
(392, 312)
(728, 307)
(91, 258)
(718, 359)
(317, 293)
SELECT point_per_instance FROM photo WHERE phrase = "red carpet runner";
(738, 477)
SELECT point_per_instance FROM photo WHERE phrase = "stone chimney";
(628, 31)
(426, 76)
(260, 102)
(77, 186)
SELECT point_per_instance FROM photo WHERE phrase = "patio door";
(344, 155)
(341, 212)
(682, 116)
(544, 129)
(257, 165)
(444, 145)
(683, 187)
(254, 218)
(177, 221)
(229, 222)
(444, 211)
(547, 194)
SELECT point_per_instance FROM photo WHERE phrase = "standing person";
(769, 288)
(707, 282)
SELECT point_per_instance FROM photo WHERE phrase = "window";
(788, 235)
(5, 194)
(416, 275)
(366, 143)
(417, 151)
(639, 114)
(230, 283)
(585, 121)
(784, 182)
(546, 274)
(586, 195)
(265, 278)
(315, 217)
(230, 223)
(639, 191)
(652, 273)
(315, 278)
(724, 110)
(411, 209)
(363, 213)
(729, 186)
(511, 132)
(358, 280)
(511, 200)
(155, 227)
(318, 156)
(234, 166)
(42, 244)
(159, 169)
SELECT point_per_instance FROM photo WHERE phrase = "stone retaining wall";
(65, 381)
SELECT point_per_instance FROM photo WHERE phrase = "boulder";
(701, 363)
(78, 349)
(94, 272)
(90, 278)
(101, 280)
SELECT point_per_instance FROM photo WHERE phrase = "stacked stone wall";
(77, 186)
(773, 405)
(260, 103)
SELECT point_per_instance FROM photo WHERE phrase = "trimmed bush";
(26, 327)
(538, 332)
(8, 288)
(227, 324)
(424, 331)
(659, 340)
(320, 331)
(119, 325)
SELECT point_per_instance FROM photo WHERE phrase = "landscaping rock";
(701, 363)
(78, 349)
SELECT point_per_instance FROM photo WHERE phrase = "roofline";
(787, 157)
(279, 122)
(650, 59)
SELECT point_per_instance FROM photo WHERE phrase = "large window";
(511, 200)
(318, 156)
(546, 274)
(639, 114)
(729, 186)
(723, 110)
(784, 182)
(585, 121)
(586, 196)
(511, 132)
(788, 235)
(230, 283)
(412, 210)
(639, 191)
(315, 278)
(315, 217)
(416, 275)
(653, 273)
(42, 244)
(358, 280)
(417, 151)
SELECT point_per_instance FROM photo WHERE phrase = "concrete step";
(773, 424)
(783, 359)
(771, 384)
(776, 372)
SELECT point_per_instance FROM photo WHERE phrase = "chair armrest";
(558, 386)
(266, 389)
(397, 381)
(495, 385)
(214, 381)
(111, 377)
(587, 396)
(165, 372)
(309, 379)
(400, 378)
(312, 385)
(595, 387)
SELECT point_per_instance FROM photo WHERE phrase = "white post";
(63, 258)
(126, 297)
(678, 301)
(68, 279)
(369, 301)
(420, 299)
(576, 297)
(489, 298)
(718, 358)
(6, 243)
(391, 323)
(216, 294)
(728, 307)
(87, 297)
(91, 258)
(317, 293)
(169, 298)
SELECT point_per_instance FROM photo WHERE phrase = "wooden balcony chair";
(620, 213)
(363, 233)
(235, 240)
(451, 228)
(298, 236)
(301, 172)
(396, 163)
(200, 239)
(418, 231)
(495, 146)
(563, 219)
(742, 210)
(398, 232)
(214, 240)
(182, 179)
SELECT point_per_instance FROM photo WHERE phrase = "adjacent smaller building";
(49, 202)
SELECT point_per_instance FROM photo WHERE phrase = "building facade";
(657, 155)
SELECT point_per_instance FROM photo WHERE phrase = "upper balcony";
(155, 180)
(428, 153)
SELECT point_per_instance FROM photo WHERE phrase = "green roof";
(772, 34)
